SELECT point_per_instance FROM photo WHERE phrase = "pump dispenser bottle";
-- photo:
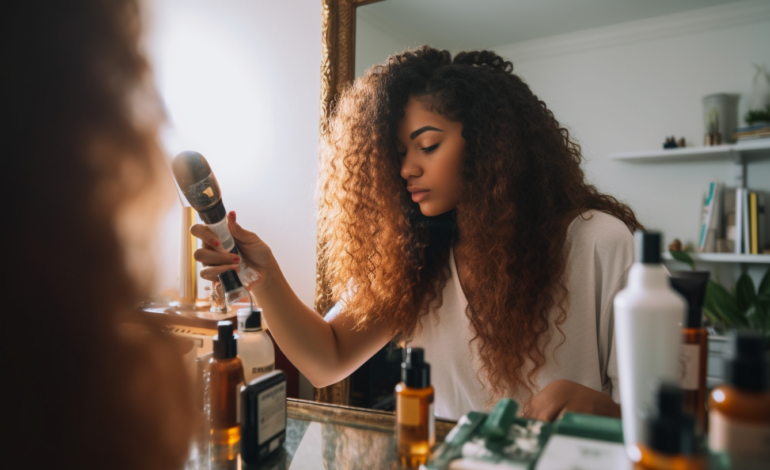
(225, 373)
(694, 349)
(670, 443)
(415, 423)
(255, 348)
(739, 410)
(648, 322)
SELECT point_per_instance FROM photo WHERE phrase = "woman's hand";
(256, 254)
(565, 395)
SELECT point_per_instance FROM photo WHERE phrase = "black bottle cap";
(647, 247)
(249, 319)
(415, 372)
(225, 344)
(669, 430)
(746, 366)
(692, 286)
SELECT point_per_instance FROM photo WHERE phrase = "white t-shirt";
(600, 252)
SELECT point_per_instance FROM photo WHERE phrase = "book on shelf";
(709, 228)
(733, 220)
(761, 131)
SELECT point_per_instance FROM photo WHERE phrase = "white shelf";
(724, 258)
(717, 152)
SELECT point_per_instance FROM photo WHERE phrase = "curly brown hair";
(80, 125)
(523, 186)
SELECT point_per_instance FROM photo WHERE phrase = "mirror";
(621, 76)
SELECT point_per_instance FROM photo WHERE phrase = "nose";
(409, 167)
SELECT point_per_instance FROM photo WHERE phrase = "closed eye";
(430, 149)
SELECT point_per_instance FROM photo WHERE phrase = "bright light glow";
(719, 396)
(216, 100)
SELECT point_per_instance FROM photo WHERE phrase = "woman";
(456, 217)
(83, 181)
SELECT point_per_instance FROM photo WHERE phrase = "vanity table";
(321, 436)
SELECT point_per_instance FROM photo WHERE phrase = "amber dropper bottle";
(415, 423)
(226, 379)
(739, 410)
(694, 349)
(670, 442)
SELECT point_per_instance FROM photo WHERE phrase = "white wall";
(373, 45)
(627, 87)
(241, 81)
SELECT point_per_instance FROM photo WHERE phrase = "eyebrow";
(419, 131)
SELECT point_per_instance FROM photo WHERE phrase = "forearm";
(308, 341)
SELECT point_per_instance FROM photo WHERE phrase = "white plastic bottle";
(648, 330)
(255, 348)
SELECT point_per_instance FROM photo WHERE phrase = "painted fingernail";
(232, 215)
(237, 259)
(215, 242)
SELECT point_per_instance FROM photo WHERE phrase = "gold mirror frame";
(338, 54)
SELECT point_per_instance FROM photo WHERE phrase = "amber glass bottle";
(415, 423)
(226, 378)
(670, 437)
(739, 410)
(693, 354)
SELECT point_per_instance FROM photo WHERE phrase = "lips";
(418, 194)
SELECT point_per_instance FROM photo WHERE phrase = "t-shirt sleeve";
(615, 254)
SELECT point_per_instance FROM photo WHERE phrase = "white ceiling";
(469, 24)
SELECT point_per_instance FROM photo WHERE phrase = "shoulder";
(597, 232)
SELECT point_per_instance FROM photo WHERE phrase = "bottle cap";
(249, 320)
(647, 247)
(746, 365)
(669, 430)
(415, 372)
(692, 286)
(225, 342)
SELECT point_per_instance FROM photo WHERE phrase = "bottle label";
(271, 406)
(223, 233)
(689, 366)
(745, 442)
(408, 410)
(257, 371)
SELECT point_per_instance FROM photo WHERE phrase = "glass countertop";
(321, 436)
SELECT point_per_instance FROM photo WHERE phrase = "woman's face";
(431, 148)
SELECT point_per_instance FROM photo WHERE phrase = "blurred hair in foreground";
(84, 184)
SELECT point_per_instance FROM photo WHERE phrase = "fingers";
(207, 236)
(211, 273)
(238, 232)
(210, 257)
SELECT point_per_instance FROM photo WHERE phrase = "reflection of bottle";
(739, 410)
(648, 321)
(670, 442)
(255, 348)
(225, 373)
(199, 186)
(415, 423)
(694, 349)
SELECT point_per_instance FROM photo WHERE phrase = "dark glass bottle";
(670, 442)
(225, 373)
(739, 410)
(415, 423)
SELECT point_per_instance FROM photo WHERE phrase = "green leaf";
(723, 303)
(716, 320)
(764, 286)
(683, 257)
(758, 317)
(745, 294)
